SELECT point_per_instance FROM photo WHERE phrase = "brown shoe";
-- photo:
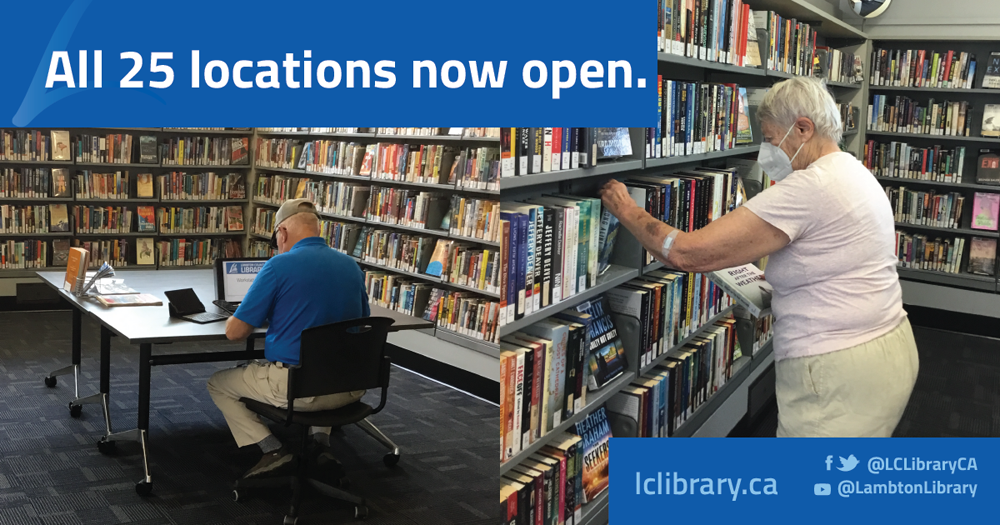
(276, 463)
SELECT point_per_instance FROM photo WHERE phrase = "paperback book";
(596, 433)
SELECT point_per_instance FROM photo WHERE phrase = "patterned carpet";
(957, 392)
(52, 472)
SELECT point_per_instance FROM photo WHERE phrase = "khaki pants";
(861, 391)
(265, 382)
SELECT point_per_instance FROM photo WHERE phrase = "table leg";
(144, 487)
(74, 368)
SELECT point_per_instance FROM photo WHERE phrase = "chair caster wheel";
(290, 520)
(106, 447)
(361, 512)
(50, 382)
(390, 459)
(143, 488)
(236, 496)
(75, 410)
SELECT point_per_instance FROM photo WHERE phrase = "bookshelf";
(130, 202)
(963, 282)
(441, 337)
(718, 415)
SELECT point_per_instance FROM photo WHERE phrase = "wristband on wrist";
(668, 243)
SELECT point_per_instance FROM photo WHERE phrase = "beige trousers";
(265, 382)
(860, 391)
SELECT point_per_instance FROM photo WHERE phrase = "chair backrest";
(341, 357)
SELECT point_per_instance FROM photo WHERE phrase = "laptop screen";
(237, 276)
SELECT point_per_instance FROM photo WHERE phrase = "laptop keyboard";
(227, 306)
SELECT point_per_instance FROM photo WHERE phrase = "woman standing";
(845, 357)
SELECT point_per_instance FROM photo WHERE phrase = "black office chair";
(333, 358)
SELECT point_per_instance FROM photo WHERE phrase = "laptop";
(184, 304)
(233, 278)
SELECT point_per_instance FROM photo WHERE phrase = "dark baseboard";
(456, 377)
(953, 321)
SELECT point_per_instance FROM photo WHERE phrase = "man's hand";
(614, 195)
(237, 330)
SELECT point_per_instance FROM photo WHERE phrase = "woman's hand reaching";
(614, 195)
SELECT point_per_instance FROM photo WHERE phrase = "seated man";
(308, 284)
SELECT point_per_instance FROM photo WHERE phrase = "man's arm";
(237, 330)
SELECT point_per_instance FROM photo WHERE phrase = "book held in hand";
(747, 286)
(142, 299)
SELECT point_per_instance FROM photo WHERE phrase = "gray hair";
(798, 97)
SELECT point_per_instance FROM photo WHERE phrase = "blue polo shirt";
(310, 285)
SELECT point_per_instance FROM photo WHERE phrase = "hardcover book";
(60, 182)
(144, 186)
(991, 120)
(613, 142)
(240, 147)
(144, 251)
(60, 252)
(147, 220)
(606, 356)
(744, 134)
(988, 171)
(746, 285)
(985, 209)
(439, 259)
(595, 433)
(147, 150)
(60, 145)
(992, 78)
(606, 240)
(234, 218)
(983, 256)
(58, 218)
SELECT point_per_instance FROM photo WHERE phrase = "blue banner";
(437, 63)
(807, 480)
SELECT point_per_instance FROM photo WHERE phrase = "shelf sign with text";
(116, 63)
(803, 480)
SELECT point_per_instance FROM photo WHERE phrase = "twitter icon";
(847, 465)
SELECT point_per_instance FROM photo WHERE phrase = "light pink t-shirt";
(835, 283)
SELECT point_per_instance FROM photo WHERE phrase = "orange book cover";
(76, 267)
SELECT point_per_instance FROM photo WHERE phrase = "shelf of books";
(416, 208)
(148, 198)
(932, 141)
(640, 346)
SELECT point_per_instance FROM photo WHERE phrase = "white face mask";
(774, 161)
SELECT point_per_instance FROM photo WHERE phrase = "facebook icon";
(829, 461)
